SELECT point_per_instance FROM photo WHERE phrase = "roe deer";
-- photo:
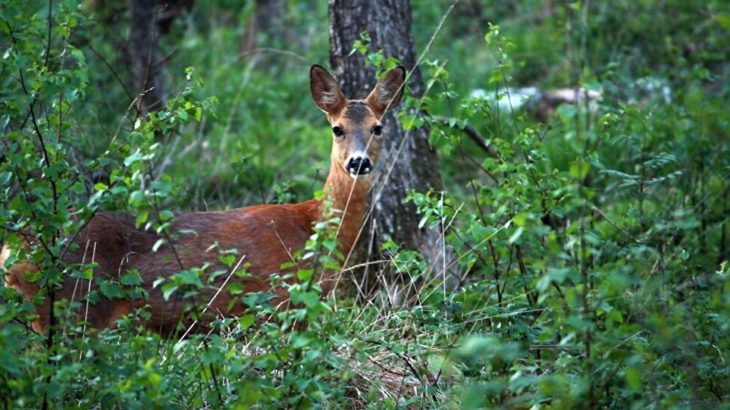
(265, 234)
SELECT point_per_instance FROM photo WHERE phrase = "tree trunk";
(388, 23)
(267, 21)
(146, 65)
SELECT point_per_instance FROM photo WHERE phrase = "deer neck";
(349, 197)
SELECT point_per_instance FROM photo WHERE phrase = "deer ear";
(388, 91)
(325, 91)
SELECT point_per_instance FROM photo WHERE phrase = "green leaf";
(182, 114)
(168, 289)
(246, 321)
(308, 299)
(111, 290)
(136, 198)
(188, 277)
(131, 278)
(135, 157)
(157, 244)
(579, 169)
(516, 235)
(227, 260)
(166, 215)
(633, 378)
(520, 219)
(614, 317)
(141, 219)
(305, 275)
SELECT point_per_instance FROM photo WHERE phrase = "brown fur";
(266, 234)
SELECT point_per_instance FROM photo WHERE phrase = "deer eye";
(338, 131)
(378, 129)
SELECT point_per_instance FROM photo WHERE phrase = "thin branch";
(111, 70)
(472, 133)
(41, 139)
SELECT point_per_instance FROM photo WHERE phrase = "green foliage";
(590, 254)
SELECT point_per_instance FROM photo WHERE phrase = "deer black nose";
(359, 166)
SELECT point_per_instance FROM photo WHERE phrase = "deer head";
(356, 124)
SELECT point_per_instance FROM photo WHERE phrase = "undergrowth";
(590, 253)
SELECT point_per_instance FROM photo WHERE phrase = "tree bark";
(149, 82)
(388, 22)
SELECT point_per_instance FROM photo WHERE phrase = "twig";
(472, 133)
(111, 70)
(220, 289)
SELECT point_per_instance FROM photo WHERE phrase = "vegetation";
(590, 252)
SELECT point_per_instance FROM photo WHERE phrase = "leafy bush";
(590, 253)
